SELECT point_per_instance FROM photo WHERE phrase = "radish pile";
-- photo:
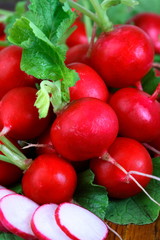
(76, 97)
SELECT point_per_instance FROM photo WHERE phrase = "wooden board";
(136, 232)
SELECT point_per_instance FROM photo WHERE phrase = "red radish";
(150, 23)
(50, 179)
(9, 173)
(79, 223)
(44, 144)
(9, 169)
(132, 156)
(77, 53)
(122, 56)
(85, 129)
(138, 114)
(11, 75)
(79, 35)
(4, 192)
(50, 230)
(90, 83)
(19, 116)
(16, 212)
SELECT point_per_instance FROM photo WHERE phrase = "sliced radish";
(79, 223)
(15, 214)
(44, 225)
(3, 192)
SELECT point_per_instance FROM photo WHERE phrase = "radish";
(85, 129)
(15, 213)
(49, 179)
(138, 113)
(125, 157)
(90, 83)
(4, 192)
(19, 116)
(78, 36)
(150, 23)
(77, 53)
(79, 223)
(11, 75)
(50, 230)
(120, 65)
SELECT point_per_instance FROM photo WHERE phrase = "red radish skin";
(138, 114)
(78, 36)
(123, 56)
(50, 179)
(90, 83)
(150, 23)
(50, 230)
(4, 192)
(79, 223)
(16, 212)
(85, 129)
(11, 75)
(44, 144)
(19, 116)
(132, 156)
(9, 174)
(77, 53)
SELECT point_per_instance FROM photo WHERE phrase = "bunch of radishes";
(103, 127)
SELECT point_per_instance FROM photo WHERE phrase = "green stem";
(106, 25)
(82, 10)
(88, 22)
(6, 12)
(4, 43)
(13, 157)
(12, 147)
(4, 158)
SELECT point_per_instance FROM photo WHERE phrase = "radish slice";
(44, 225)
(79, 223)
(3, 192)
(15, 214)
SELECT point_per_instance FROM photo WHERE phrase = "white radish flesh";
(44, 225)
(15, 214)
(3, 192)
(79, 223)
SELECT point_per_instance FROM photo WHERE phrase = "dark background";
(8, 4)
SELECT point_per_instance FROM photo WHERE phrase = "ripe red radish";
(79, 35)
(90, 83)
(122, 56)
(4, 192)
(19, 116)
(138, 114)
(11, 75)
(16, 212)
(150, 23)
(132, 156)
(50, 230)
(44, 144)
(77, 53)
(79, 223)
(50, 179)
(85, 129)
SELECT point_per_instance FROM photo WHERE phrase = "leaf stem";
(82, 10)
(105, 23)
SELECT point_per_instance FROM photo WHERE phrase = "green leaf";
(41, 35)
(150, 82)
(9, 236)
(138, 209)
(91, 196)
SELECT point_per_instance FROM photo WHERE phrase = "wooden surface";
(136, 232)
